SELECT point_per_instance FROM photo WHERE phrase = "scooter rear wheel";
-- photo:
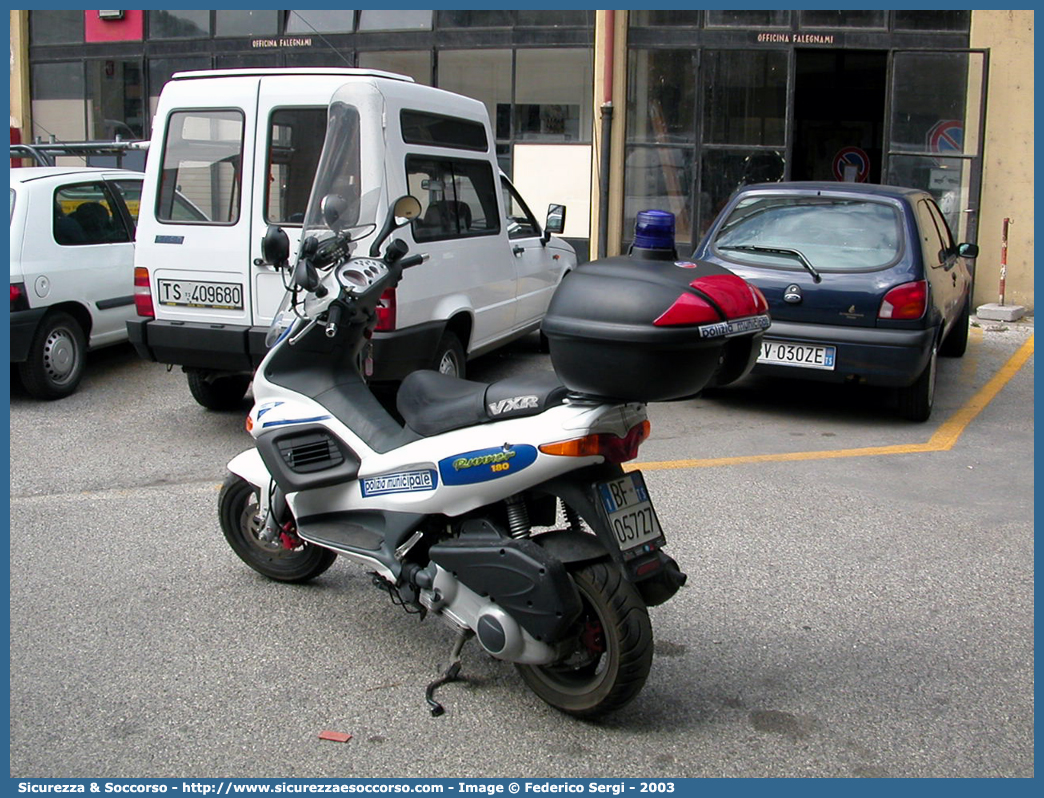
(285, 560)
(612, 652)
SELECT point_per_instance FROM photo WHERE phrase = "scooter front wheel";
(285, 559)
(611, 652)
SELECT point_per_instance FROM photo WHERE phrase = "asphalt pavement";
(860, 599)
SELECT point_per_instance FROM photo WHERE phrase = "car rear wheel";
(916, 401)
(957, 341)
(56, 359)
(449, 359)
(218, 393)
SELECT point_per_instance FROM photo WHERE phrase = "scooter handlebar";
(413, 260)
(333, 319)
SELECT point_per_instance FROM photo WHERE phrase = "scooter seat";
(432, 403)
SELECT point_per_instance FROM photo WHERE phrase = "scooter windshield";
(344, 197)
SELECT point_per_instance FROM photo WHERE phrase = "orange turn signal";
(602, 444)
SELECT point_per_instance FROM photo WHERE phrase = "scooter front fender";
(250, 467)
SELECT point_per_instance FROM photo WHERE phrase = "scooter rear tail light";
(604, 444)
(386, 311)
(907, 301)
(687, 309)
(143, 293)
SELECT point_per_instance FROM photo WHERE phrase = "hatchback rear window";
(834, 234)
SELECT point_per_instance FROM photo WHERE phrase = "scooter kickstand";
(451, 674)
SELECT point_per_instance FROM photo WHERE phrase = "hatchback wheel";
(957, 341)
(56, 358)
(916, 401)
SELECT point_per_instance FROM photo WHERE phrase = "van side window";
(294, 145)
(85, 214)
(203, 163)
(435, 130)
(520, 221)
(458, 197)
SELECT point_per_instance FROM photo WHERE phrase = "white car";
(72, 269)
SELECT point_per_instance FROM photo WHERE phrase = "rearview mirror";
(556, 215)
(333, 207)
(968, 250)
(275, 246)
(406, 208)
(402, 212)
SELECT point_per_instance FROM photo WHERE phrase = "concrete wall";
(1007, 188)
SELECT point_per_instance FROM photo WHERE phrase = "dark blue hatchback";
(864, 282)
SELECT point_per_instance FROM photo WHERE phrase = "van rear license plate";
(791, 353)
(628, 508)
(192, 294)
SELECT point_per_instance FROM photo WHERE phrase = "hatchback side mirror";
(968, 250)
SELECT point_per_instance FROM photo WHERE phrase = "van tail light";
(605, 444)
(905, 302)
(143, 293)
(19, 300)
(386, 311)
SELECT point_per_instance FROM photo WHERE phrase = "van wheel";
(218, 393)
(57, 358)
(449, 357)
(916, 401)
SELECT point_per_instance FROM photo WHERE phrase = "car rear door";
(88, 257)
(946, 273)
(291, 124)
(470, 266)
(194, 227)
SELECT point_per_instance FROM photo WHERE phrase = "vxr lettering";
(512, 404)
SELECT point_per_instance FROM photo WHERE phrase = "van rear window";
(203, 165)
(435, 130)
(294, 145)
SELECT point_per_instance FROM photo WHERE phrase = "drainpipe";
(607, 131)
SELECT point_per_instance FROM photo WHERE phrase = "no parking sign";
(946, 137)
(851, 165)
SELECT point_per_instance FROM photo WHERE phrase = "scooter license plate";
(628, 509)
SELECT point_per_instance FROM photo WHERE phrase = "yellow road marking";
(943, 440)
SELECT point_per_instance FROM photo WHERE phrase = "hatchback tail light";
(19, 300)
(386, 311)
(143, 293)
(905, 302)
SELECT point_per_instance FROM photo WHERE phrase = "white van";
(242, 146)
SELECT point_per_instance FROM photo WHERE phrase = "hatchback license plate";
(629, 510)
(192, 294)
(791, 353)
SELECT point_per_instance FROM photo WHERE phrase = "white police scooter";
(500, 508)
